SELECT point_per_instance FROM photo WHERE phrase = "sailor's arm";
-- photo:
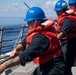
(18, 48)
(60, 35)
(35, 48)
(67, 25)
(10, 63)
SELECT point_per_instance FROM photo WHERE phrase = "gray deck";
(19, 70)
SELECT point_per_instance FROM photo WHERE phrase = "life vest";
(60, 20)
(54, 48)
(71, 12)
(75, 11)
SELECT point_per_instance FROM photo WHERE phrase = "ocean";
(11, 31)
(11, 21)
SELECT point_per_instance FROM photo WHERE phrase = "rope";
(8, 58)
(2, 57)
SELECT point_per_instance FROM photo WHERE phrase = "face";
(59, 12)
(33, 24)
(72, 6)
(30, 24)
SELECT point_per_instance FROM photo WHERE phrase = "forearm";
(10, 63)
(19, 48)
(60, 35)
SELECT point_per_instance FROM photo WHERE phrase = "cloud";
(16, 7)
(50, 3)
(3, 9)
(49, 8)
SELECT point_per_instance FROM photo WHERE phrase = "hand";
(10, 63)
(13, 53)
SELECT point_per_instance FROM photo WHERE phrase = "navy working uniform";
(69, 45)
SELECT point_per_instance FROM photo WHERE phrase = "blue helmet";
(34, 13)
(71, 1)
(60, 5)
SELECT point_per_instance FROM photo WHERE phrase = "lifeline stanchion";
(1, 36)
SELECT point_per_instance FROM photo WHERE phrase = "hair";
(65, 10)
(73, 4)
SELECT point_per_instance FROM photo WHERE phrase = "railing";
(10, 37)
(1, 34)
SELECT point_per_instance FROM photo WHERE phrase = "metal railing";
(6, 42)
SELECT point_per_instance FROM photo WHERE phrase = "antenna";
(26, 5)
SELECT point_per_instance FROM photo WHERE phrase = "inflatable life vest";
(71, 12)
(75, 11)
(54, 47)
(60, 20)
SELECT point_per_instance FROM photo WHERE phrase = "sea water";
(10, 21)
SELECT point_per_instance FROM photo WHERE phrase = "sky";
(17, 8)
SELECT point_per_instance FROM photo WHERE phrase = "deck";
(19, 70)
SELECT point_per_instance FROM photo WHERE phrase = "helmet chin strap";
(35, 23)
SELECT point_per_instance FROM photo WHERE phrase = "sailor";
(40, 45)
(72, 7)
(66, 33)
(72, 4)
